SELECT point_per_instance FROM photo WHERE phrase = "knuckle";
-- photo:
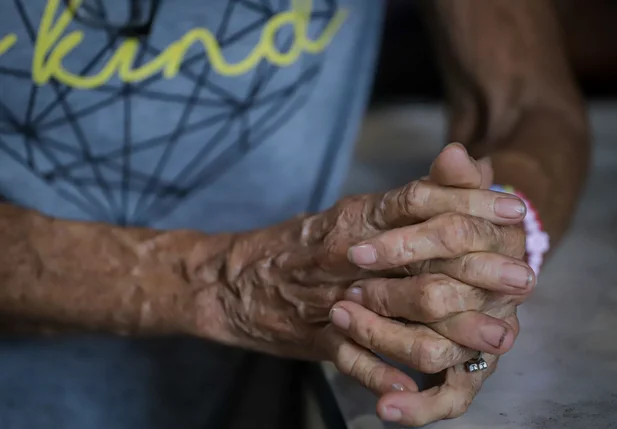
(512, 240)
(351, 361)
(433, 298)
(355, 367)
(378, 212)
(372, 377)
(395, 248)
(349, 211)
(339, 211)
(457, 233)
(378, 297)
(469, 266)
(439, 355)
(414, 195)
(461, 405)
(313, 229)
(346, 362)
(430, 356)
(342, 357)
(333, 246)
(367, 333)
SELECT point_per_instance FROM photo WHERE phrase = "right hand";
(281, 282)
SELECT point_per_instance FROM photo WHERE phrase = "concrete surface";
(562, 372)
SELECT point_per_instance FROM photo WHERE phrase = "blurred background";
(406, 116)
(588, 28)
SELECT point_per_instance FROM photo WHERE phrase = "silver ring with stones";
(476, 364)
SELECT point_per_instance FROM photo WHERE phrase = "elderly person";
(173, 168)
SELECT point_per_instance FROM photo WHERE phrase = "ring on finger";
(476, 364)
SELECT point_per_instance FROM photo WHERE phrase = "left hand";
(430, 299)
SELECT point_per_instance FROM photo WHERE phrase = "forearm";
(547, 159)
(100, 277)
(513, 97)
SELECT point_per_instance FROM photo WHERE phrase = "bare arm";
(513, 97)
(57, 274)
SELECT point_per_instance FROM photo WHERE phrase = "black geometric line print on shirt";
(109, 186)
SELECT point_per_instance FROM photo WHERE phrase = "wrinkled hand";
(281, 282)
(453, 313)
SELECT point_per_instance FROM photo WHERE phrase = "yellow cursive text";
(53, 45)
(7, 42)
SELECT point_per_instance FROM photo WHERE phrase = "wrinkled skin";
(282, 282)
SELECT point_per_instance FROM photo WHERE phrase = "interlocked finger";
(415, 345)
(363, 365)
(426, 298)
(446, 236)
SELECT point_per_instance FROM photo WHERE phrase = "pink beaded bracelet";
(537, 243)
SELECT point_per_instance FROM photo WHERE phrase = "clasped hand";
(426, 275)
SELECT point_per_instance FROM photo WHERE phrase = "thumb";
(454, 167)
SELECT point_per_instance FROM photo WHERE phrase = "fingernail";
(364, 254)
(391, 414)
(516, 276)
(398, 387)
(493, 335)
(354, 294)
(458, 145)
(340, 318)
(461, 149)
(509, 208)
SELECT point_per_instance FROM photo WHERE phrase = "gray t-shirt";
(217, 115)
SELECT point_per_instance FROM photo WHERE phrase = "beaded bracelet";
(537, 243)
